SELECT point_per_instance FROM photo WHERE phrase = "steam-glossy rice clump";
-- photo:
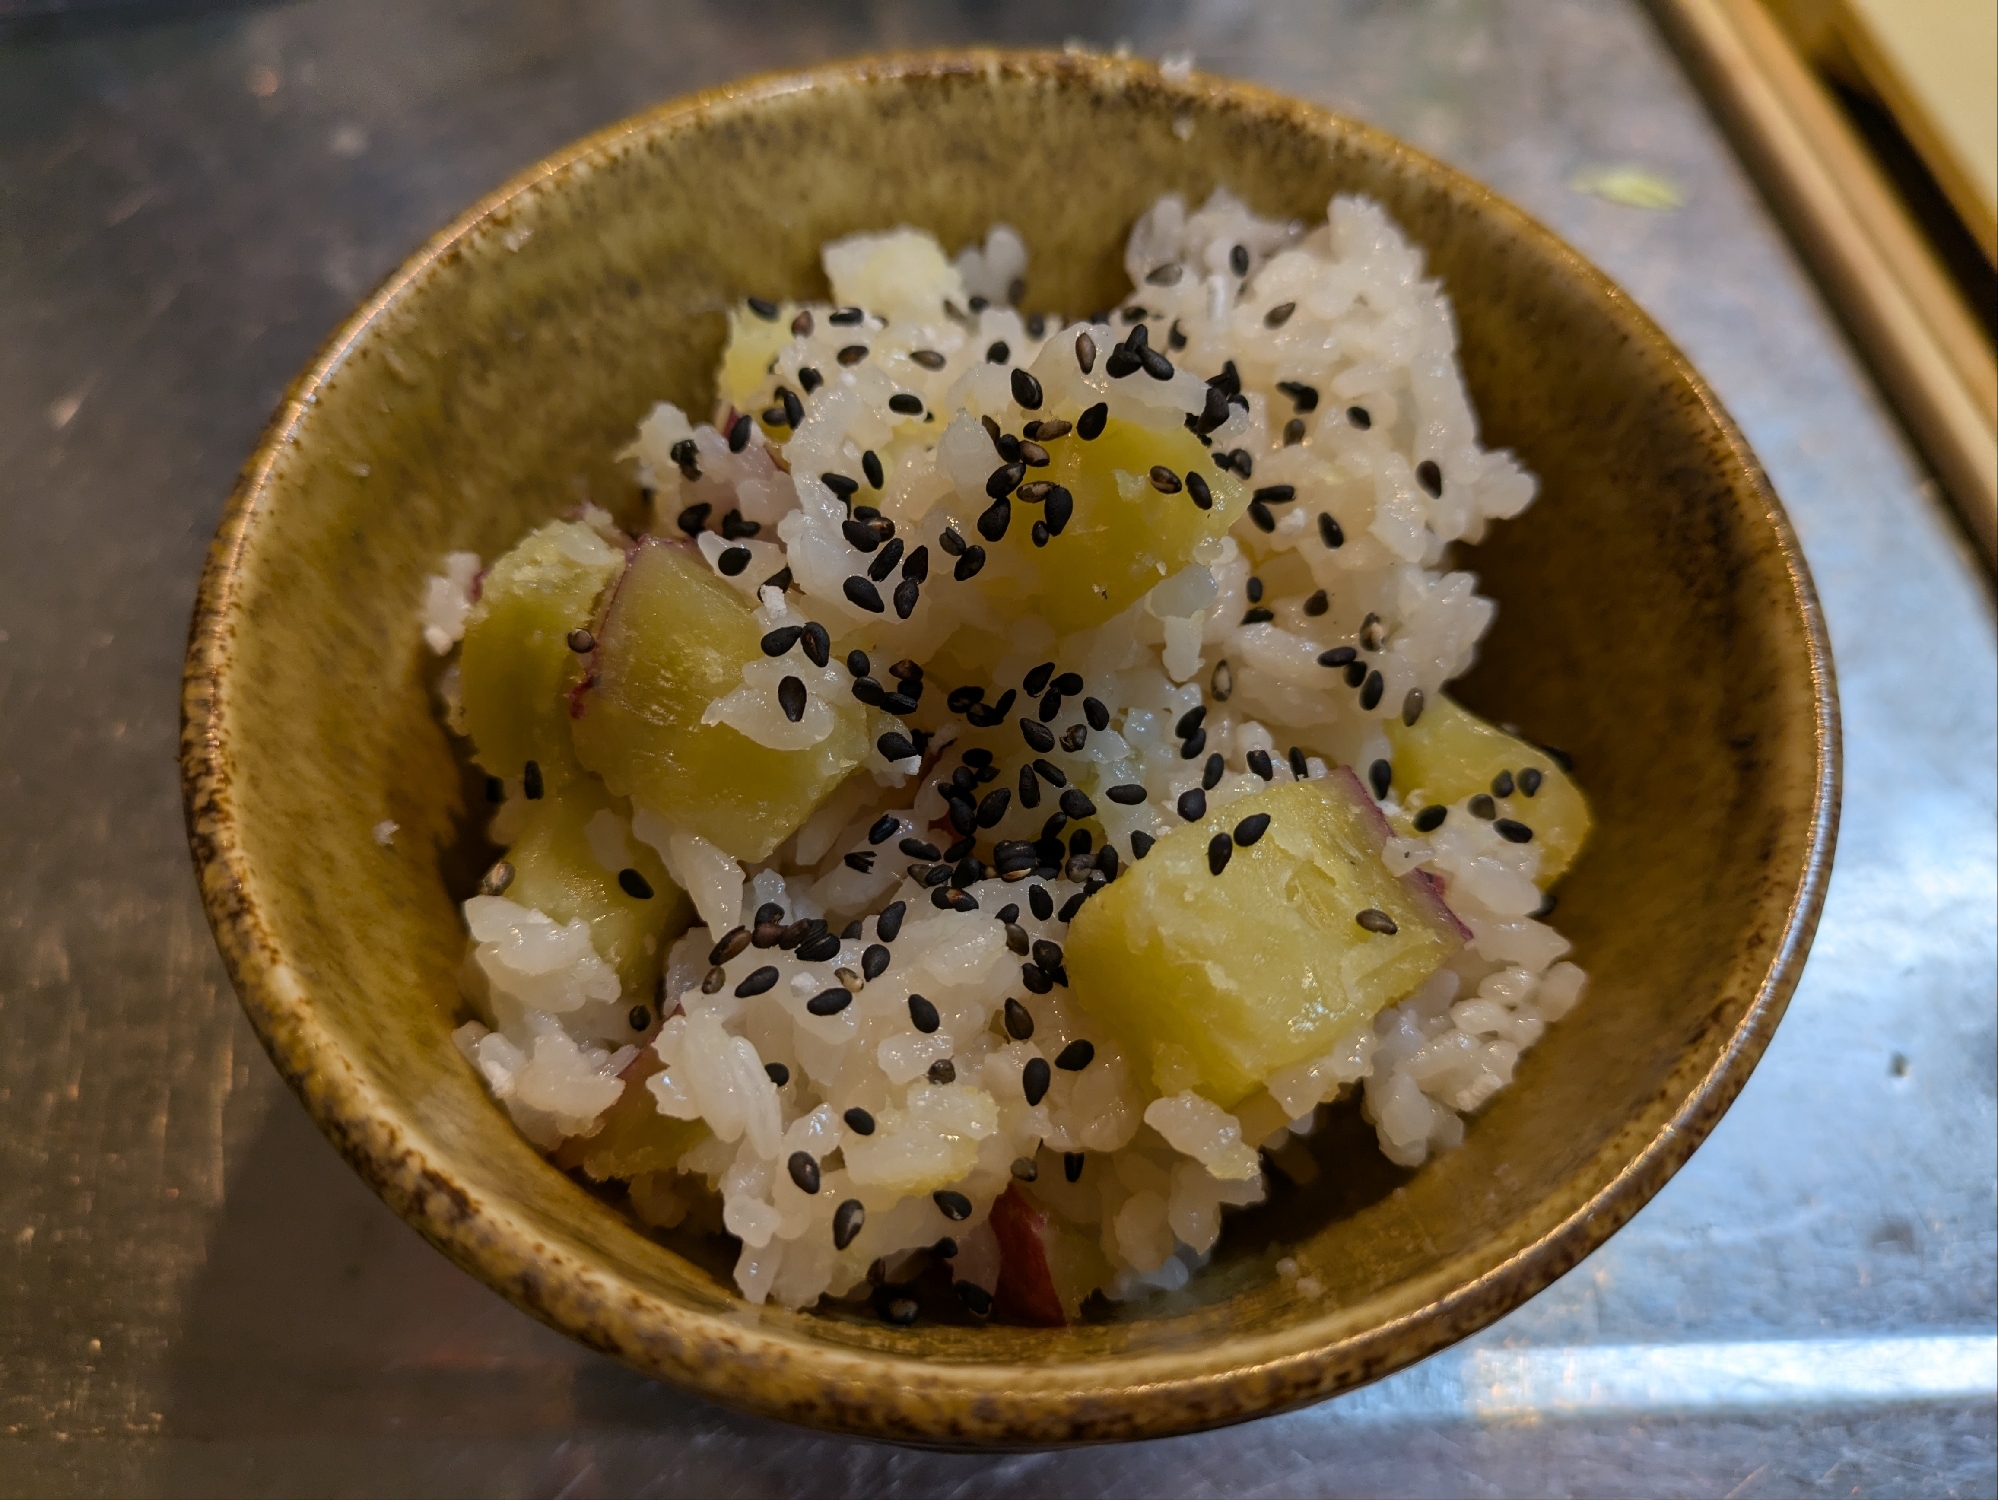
(885, 1024)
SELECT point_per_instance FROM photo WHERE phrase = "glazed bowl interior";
(1654, 620)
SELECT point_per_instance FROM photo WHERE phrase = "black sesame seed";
(1303, 398)
(819, 947)
(732, 561)
(634, 885)
(1141, 844)
(778, 641)
(582, 642)
(840, 485)
(1370, 692)
(1430, 477)
(767, 311)
(1097, 713)
(759, 982)
(859, 1121)
(1260, 514)
(693, 519)
(1192, 804)
(713, 980)
(1074, 737)
(905, 597)
(1189, 721)
(852, 354)
(1482, 806)
(1238, 260)
(1089, 426)
(804, 1171)
(1430, 818)
(862, 593)
(1212, 772)
(810, 379)
(874, 962)
(1070, 907)
(1068, 684)
(794, 409)
(868, 691)
(895, 746)
(1128, 795)
(1276, 494)
(1019, 1020)
(1076, 1056)
(1077, 805)
(1293, 432)
(791, 697)
(1356, 673)
(885, 561)
(1380, 776)
(1034, 1080)
(1037, 735)
(1299, 766)
(847, 1220)
(904, 404)
(1026, 390)
(1258, 616)
(1040, 902)
(1529, 782)
(1071, 1165)
(923, 1015)
(1375, 920)
(888, 926)
(1512, 832)
(1502, 784)
(738, 433)
(861, 860)
(1411, 707)
(729, 946)
(1251, 828)
(829, 1002)
(1154, 363)
(996, 517)
(969, 564)
(883, 828)
(943, 1070)
(1195, 743)
(1259, 762)
(993, 808)
(1279, 315)
(1330, 532)
(530, 781)
(1219, 850)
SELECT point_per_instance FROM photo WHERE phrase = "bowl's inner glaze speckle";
(1654, 620)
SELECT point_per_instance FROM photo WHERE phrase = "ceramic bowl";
(1655, 618)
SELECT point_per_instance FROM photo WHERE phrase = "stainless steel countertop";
(199, 1297)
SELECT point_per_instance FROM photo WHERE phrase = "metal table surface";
(196, 1296)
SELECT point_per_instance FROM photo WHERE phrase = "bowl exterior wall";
(1656, 621)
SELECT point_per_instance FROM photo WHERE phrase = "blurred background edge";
(1889, 215)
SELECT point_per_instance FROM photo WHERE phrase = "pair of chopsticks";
(1929, 352)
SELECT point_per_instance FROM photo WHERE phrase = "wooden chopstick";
(1931, 357)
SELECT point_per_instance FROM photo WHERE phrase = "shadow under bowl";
(1655, 620)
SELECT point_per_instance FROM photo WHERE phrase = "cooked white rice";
(1365, 330)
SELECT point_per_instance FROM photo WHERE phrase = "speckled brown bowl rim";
(873, 1393)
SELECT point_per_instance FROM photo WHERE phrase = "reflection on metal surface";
(1729, 1377)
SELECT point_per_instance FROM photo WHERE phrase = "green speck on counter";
(1631, 186)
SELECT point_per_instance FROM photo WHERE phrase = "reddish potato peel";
(1026, 1292)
